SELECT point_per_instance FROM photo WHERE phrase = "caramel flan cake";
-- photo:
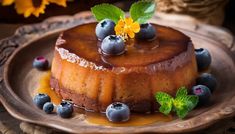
(93, 80)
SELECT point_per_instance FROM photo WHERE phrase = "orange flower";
(59, 2)
(126, 27)
(28, 7)
(7, 2)
(32, 7)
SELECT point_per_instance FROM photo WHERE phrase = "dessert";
(93, 80)
(122, 65)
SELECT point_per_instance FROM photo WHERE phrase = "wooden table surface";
(6, 120)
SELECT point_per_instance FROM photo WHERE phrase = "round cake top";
(82, 41)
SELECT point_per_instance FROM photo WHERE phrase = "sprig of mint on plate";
(140, 11)
(182, 104)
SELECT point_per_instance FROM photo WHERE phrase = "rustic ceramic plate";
(20, 79)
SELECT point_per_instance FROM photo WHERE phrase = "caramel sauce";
(44, 87)
(135, 119)
(83, 42)
(100, 118)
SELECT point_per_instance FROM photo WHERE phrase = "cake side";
(96, 89)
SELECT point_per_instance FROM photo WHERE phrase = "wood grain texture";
(20, 79)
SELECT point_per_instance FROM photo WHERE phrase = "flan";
(92, 80)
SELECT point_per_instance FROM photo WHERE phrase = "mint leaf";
(142, 11)
(184, 104)
(181, 113)
(182, 91)
(166, 108)
(165, 101)
(107, 11)
(194, 101)
(180, 106)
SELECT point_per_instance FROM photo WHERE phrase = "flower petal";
(131, 34)
(118, 30)
(27, 8)
(59, 2)
(121, 23)
(28, 12)
(128, 21)
(7, 2)
(135, 27)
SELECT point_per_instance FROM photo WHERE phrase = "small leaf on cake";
(107, 11)
(142, 11)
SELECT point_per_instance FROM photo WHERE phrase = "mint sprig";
(182, 104)
(142, 11)
(107, 11)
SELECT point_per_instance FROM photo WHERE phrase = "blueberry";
(40, 99)
(147, 32)
(104, 28)
(207, 80)
(41, 63)
(48, 107)
(65, 109)
(113, 45)
(203, 58)
(202, 92)
(118, 112)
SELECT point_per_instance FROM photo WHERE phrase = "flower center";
(37, 3)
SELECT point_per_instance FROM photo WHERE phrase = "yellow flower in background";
(29, 7)
(7, 2)
(126, 27)
(59, 2)
(32, 7)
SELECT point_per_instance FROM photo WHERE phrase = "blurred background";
(212, 12)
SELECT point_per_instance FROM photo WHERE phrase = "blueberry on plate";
(203, 93)
(48, 107)
(40, 99)
(208, 80)
(147, 32)
(65, 109)
(203, 58)
(41, 63)
(113, 45)
(118, 112)
(104, 28)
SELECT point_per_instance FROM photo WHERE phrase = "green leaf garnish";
(166, 102)
(182, 104)
(107, 11)
(142, 11)
(182, 91)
